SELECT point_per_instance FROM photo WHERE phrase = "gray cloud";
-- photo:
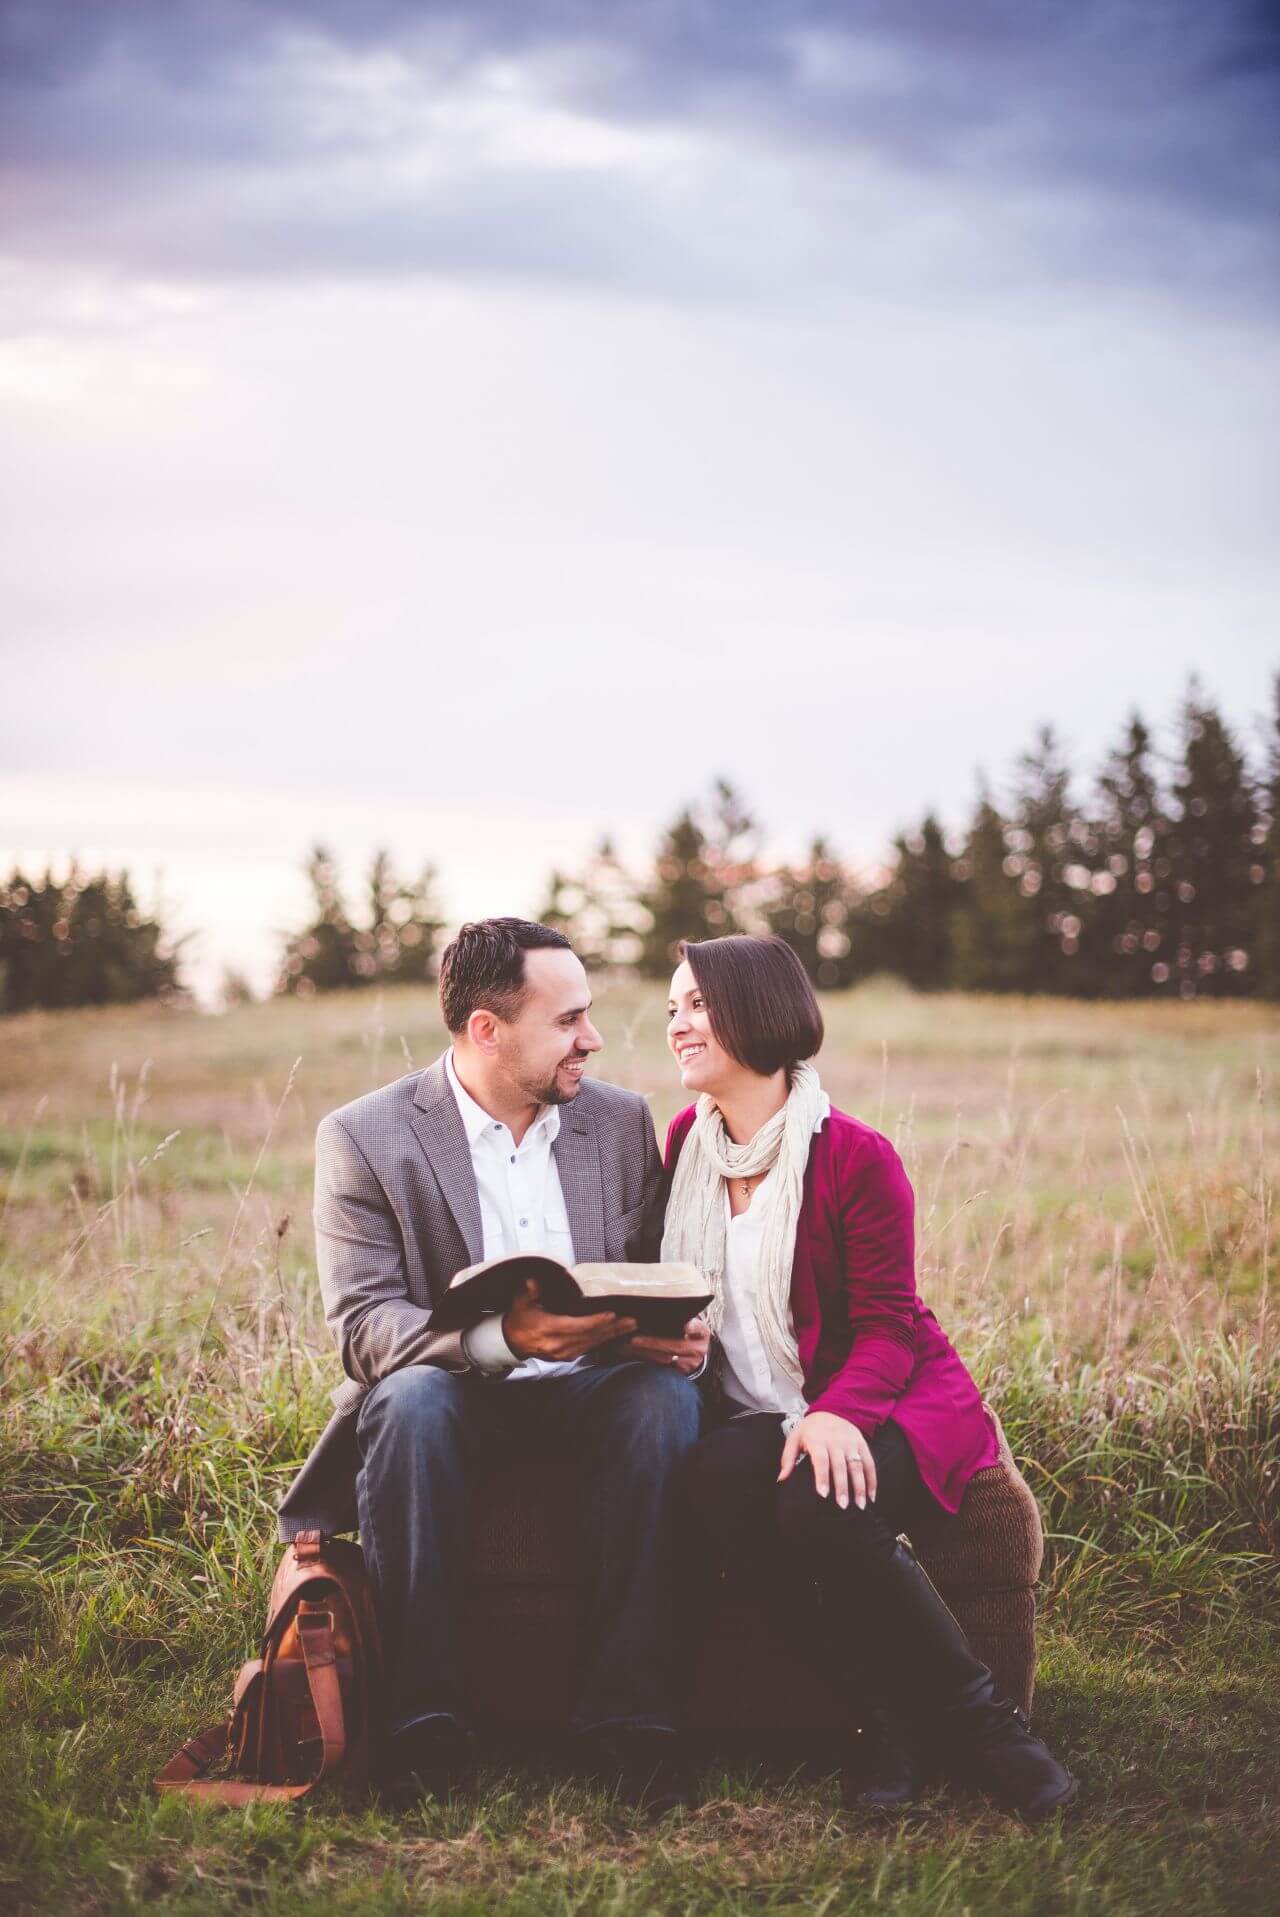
(815, 145)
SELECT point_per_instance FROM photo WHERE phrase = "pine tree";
(322, 958)
(911, 917)
(597, 910)
(1264, 873)
(703, 876)
(1131, 828)
(1048, 846)
(737, 883)
(396, 946)
(379, 945)
(685, 898)
(1213, 849)
(809, 907)
(80, 941)
(994, 934)
(404, 926)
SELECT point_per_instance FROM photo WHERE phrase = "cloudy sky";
(472, 428)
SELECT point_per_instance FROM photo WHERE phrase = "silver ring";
(675, 1357)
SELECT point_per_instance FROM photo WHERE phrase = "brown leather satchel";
(308, 1707)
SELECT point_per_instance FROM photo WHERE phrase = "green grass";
(1097, 1232)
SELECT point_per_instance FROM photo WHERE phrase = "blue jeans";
(617, 1431)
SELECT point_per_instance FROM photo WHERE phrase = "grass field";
(1097, 1231)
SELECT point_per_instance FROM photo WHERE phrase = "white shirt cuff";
(484, 1346)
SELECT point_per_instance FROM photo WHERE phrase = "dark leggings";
(796, 1548)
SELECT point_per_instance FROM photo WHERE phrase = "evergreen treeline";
(79, 941)
(1162, 880)
(395, 943)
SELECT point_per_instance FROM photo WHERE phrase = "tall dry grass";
(1095, 1191)
(1096, 1224)
(1095, 1180)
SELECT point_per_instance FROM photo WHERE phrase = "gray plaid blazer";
(397, 1215)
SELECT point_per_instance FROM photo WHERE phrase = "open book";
(661, 1298)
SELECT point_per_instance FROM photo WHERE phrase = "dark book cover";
(661, 1298)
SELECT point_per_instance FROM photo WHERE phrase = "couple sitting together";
(833, 1413)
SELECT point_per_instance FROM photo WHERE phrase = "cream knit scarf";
(696, 1231)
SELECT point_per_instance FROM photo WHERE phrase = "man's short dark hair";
(483, 967)
(759, 1001)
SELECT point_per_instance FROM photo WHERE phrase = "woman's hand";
(688, 1354)
(839, 1455)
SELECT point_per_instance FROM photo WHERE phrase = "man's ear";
(482, 1032)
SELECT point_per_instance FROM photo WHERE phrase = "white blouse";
(750, 1380)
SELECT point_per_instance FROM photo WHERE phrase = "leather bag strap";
(194, 1759)
(186, 1769)
(186, 1772)
(315, 1634)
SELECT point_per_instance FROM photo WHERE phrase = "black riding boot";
(885, 1766)
(925, 1658)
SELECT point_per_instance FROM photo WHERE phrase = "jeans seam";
(373, 1551)
(634, 1721)
(428, 1717)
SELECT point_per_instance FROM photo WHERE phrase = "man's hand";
(534, 1333)
(686, 1354)
(839, 1454)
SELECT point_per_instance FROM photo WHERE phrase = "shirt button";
(513, 1158)
(524, 1221)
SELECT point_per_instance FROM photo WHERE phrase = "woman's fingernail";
(862, 1504)
(842, 1502)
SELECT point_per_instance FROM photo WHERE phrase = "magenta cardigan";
(869, 1348)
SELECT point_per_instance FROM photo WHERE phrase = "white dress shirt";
(522, 1208)
(751, 1381)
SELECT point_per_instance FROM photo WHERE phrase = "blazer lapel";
(577, 1159)
(438, 1127)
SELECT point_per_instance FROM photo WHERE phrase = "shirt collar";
(476, 1121)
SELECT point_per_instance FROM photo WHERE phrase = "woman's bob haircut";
(759, 1001)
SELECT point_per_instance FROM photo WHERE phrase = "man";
(501, 1146)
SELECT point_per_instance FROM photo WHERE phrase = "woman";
(846, 1412)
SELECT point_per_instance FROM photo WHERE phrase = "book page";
(650, 1281)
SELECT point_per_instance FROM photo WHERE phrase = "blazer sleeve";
(877, 1218)
(360, 1256)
